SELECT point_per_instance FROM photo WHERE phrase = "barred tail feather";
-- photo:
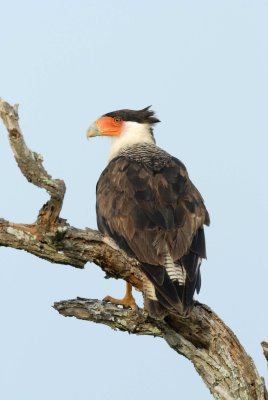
(174, 284)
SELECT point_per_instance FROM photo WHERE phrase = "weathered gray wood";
(203, 338)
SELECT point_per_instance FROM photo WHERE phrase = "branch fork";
(203, 338)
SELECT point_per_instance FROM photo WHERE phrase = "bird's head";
(126, 127)
(115, 123)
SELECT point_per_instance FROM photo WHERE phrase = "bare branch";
(30, 164)
(75, 247)
(108, 314)
(203, 338)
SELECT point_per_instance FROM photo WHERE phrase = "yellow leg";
(127, 302)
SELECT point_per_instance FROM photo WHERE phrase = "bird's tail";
(171, 287)
(162, 295)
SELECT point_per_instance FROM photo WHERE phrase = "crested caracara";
(148, 205)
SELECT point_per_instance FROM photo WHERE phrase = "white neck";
(133, 133)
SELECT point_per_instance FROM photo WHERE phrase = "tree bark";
(203, 338)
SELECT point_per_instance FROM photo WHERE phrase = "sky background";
(203, 67)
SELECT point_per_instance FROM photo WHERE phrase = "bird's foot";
(126, 302)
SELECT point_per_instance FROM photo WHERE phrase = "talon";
(128, 300)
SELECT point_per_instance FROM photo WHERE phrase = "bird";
(146, 203)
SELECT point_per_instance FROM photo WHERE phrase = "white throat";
(133, 133)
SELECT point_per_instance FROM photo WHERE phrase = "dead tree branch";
(203, 338)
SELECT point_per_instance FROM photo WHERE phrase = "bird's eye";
(117, 120)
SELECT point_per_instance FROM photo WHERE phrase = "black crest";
(144, 116)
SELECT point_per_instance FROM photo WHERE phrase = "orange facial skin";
(110, 126)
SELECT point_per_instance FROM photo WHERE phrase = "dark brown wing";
(146, 211)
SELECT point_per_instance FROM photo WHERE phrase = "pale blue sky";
(203, 66)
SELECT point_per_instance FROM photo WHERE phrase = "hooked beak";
(93, 130)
